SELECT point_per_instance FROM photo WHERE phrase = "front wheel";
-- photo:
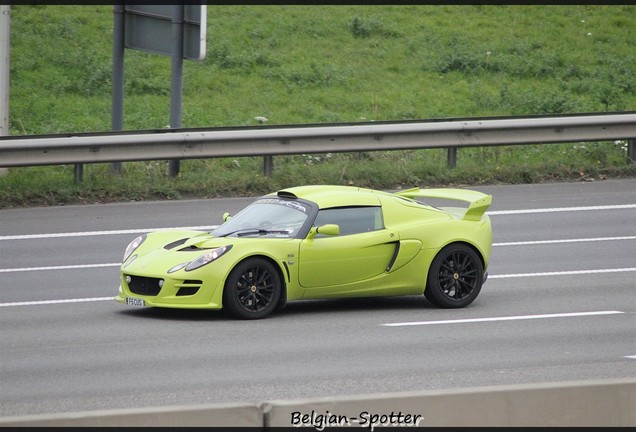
(455, 277)
(252, 290)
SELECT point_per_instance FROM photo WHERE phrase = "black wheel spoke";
(469, 273)
(264, 297)
(465, 263)
(465, 288)
(241, 289)
(260, 279)
(448, 267)
(248, 302)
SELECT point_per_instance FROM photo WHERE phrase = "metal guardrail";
(300, 139)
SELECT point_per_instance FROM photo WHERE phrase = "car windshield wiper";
(251, 231)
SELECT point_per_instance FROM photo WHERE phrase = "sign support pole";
(176, 86)
(117, 121)
(5, 20)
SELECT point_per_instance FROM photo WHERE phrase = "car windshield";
(266, 217)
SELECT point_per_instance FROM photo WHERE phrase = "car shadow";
(176, 314)
(299, 308)
(356, 304)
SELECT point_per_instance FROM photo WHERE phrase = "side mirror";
(226, 216)
(328, 229)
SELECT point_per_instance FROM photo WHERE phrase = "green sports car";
(316, 242)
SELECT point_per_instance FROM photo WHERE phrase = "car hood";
(167, 248)
(162, 250)
(191, 240)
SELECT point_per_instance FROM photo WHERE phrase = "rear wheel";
(252, 290)
(455, 277)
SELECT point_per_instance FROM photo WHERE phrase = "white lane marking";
(512, 275)
(562, 209)
(82, 266)
(66, 267)
(99, 233)
(631, 357)
(534, 242)
(562, 273)
(46, 302)
(506, 318)
(518, 275)
(141, 230)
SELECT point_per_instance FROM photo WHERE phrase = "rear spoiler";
(479, 202)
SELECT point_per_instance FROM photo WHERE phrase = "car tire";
(252, 289)
(455, 277)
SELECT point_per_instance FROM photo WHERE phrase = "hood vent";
(192, 248)
(174, 244)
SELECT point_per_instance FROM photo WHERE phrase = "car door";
(363, 249)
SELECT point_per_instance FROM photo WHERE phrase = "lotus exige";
(316, 242)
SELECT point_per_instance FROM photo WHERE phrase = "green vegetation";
(315, 64)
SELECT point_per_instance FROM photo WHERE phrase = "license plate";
(135, 301)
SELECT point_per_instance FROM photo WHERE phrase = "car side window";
(351, 220)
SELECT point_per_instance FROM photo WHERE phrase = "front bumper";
(170, 292)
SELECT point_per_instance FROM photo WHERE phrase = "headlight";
(133, 246)
(207, 258)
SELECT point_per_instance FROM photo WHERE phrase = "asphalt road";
(559, 305)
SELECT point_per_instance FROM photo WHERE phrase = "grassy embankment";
(316, 64)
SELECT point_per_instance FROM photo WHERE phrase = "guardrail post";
(631, 150)
(79, 173)
(268, 165)
(452, 157)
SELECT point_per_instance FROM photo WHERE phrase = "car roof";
(334, 195)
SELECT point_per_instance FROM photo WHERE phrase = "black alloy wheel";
(252, 290)
(455, 277)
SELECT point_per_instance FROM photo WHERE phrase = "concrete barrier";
(244, 415)
(583, 403)
(595, 403)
